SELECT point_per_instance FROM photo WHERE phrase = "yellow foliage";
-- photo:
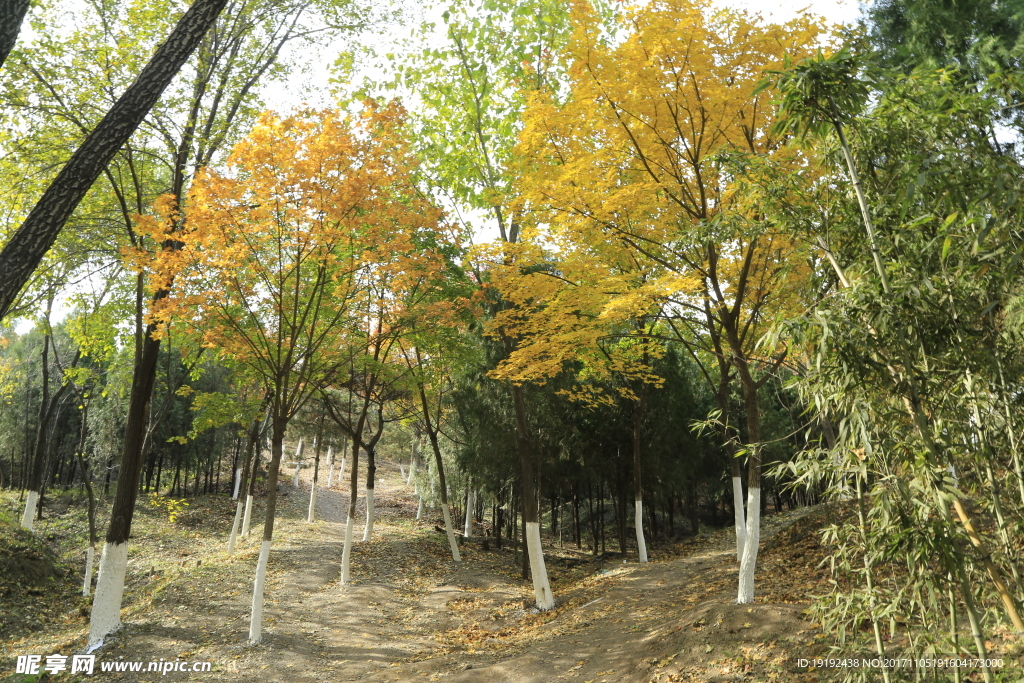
(641, 184)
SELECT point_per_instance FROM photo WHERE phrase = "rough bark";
(12, 14)
(23, 252)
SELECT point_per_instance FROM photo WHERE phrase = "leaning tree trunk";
(445, 510)
(12, 13)
(23, 252)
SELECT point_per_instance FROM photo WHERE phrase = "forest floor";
(411, 613)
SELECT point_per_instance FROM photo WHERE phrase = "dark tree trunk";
(23, 252)
(12, 13)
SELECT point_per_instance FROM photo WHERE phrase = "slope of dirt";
(411, 613)
(36, 587)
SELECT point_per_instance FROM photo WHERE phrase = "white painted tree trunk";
(638, 521)
(234, 527)
(238, 482)
(539, 573)
(311, 515)
(346, 554)
(370, 514)
(248, 516)
(751, 542)
(401, 468)
(29, 515)
(90, 553)
(451, 533)
(737, 506)
(341, 470)
(298, 463)
(467, 530)
(412, 469)
(106, 605)
(419, 510)
(256, 619)
(330, 466)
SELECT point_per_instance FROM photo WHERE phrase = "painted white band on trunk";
(106, 604)
(28, 516)
(641, 542)
(370, 514)
(238, 482)
(346, 554)
(467, 531)
(311, 515)
(248, 516)
(737, 506)
(749, 561)
(234, 527)
(295, 477)
(87, 582)
(451, 534)
(541, 587)
(419, 509)
(256, 618)
(330, 466)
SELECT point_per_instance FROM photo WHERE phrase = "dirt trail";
(411, 613)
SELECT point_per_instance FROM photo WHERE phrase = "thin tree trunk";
(531, 515)
(442, 484)
(638, 415)
(276, 449)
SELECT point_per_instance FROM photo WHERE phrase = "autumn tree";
(644, 161)
(276, 252)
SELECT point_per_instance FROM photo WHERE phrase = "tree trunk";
(243, 482)
(432, 435)
(106, 607)
(311, 515)
(638, 520)
(278, 426)
(12, 13)
(531, 515)
(371, 474)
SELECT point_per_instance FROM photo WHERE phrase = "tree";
(927, 211)
(651, 169)
(277, 254)
(24, 250)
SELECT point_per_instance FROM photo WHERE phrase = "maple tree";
(655, 174)
(278, 253)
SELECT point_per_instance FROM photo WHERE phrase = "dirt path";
(411, 613)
